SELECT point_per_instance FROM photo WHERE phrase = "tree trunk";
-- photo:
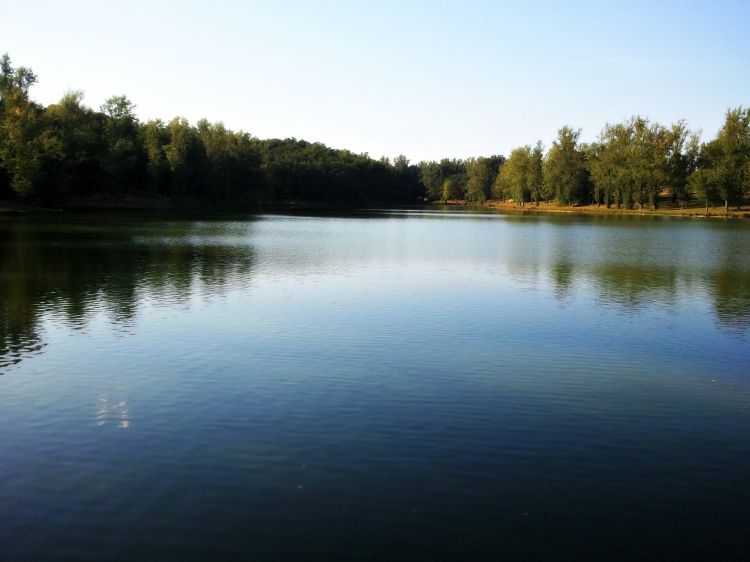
(726, 206)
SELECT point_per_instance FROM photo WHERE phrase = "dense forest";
(67, 150)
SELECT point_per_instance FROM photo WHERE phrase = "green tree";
(124, 159)
(648, 160)
(678, 160)
(480, 177)
(454, 187)
(76, 132)
(599, 172)
(705, 178)
(609, 165)
(186, 157)
(701, 185)
(155, 137)
(432, 179)
(453, 174)
(232, 162)
(732, 157)
(564, 167)
(536, 180)
(516, 176)
(22, 148)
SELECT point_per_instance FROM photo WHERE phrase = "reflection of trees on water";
(73, 271)
(634, 286)
(640, 277)
(730, 286)
(731, 294)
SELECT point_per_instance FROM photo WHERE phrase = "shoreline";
(667, 210)
(158, 205)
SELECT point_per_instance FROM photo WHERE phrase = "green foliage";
(186, 157)
(632, 162)
(702, 186)
(75, 131)
(648, 161)
(516, 176)
(678, 165)
(564, 170)
(720, 169)
(22, 148)
(480, 177)
(14, 82)
(536, 171)
(124, 158)
(300, 170)
(432, 179)
(613, 176)
(731, 156)
(454, 186)
(68, 149)
(232, 161)
(154, 137)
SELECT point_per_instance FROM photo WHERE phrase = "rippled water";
(390, 385)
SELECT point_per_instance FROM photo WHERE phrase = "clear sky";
(426, 79)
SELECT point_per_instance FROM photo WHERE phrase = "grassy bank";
(666, 209)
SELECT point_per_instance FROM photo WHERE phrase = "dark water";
(414, 386)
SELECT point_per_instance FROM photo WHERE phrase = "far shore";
(663, 209)
(148, 203)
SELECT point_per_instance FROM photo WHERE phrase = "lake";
(390, 384)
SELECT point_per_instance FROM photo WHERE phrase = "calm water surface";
(391, 385)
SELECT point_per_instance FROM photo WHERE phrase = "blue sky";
(426, 79)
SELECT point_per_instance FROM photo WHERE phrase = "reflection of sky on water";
(109, 411)
(301, 381)
(71, 272)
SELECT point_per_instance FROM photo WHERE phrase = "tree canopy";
(70, 150)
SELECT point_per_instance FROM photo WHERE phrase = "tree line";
(633, 164)
(64, 150)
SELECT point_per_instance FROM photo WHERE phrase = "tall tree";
(516, 176)
(454, 186)
(22, 148)
(453, 173)
(536, 180)
(732, 156)
(76, 131)
(124, 158)
(564, 168)
(155, 137)
(678, 160)
(432, 179)
(186, 157)
(480, 177)
(648, 160)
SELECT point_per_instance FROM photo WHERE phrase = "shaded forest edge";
(69, 156)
